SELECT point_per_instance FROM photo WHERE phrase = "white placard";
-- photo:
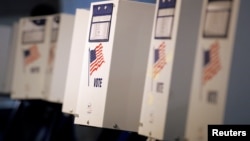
(163, 27)
(33, 30)
(217, 19)
(33, 36)
(100, 31)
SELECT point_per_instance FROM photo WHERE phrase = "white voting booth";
(212, 66)
(159, 68)
(58, 57)
(11, 58)
(42, 57)
(181, 107)
(31, 45)
(5, 50)
(114, 64)
(74, 71)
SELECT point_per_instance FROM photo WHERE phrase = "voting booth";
(197, 92)
(11, 58)
(212, 67)
(5, 53)
(28, 77)
(42, 57)
(58, 57)
(114, 64)
(159, 68)
(74, 69)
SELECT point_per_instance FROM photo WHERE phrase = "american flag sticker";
(30, 55)
(52, 52)
(211, 64)
(159, 59)
(96, 59)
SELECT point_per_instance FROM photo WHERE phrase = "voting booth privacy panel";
(5, 56)
(77, 50)
(11, 58)
(58, 59)
(181, 107)
(31, 45)
(42, 57)
(212, 66)
(114, 64)
(159, 68)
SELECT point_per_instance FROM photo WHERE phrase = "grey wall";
(238, 102)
